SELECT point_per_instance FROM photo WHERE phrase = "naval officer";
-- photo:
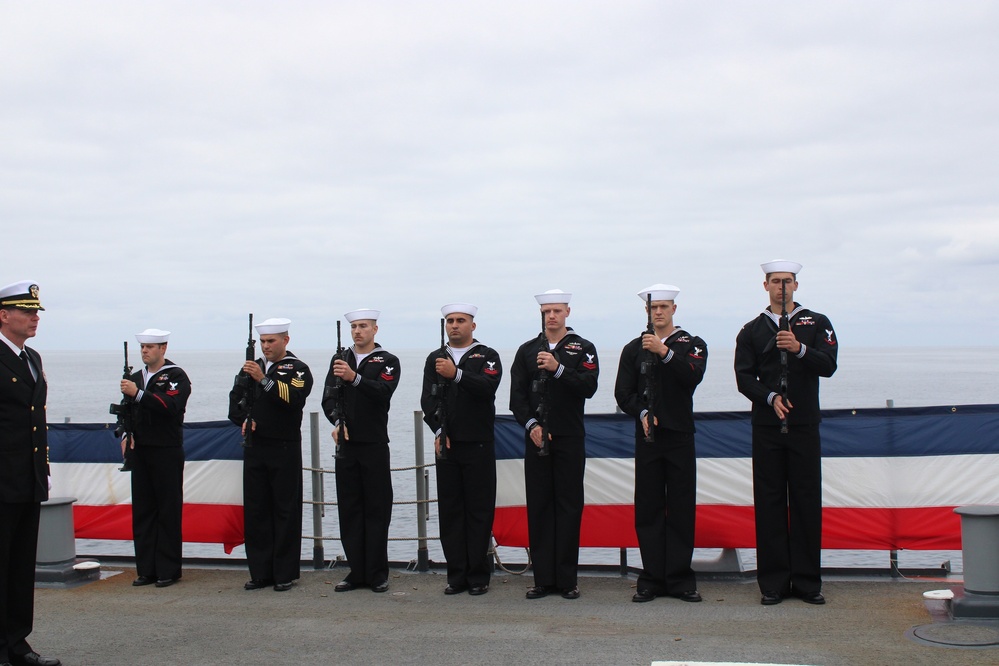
(24, 471)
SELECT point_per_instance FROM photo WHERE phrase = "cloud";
(189, 163)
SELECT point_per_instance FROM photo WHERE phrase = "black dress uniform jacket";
(277, 410)
(366, 404)
(23, 432)
(676, 380)
(757, 365)
(471, 404)
(568, 392)
(160, 413)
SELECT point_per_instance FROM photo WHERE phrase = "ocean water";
(83, 384)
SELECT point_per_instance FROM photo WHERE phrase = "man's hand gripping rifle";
(125, 428)
(248, 389)
(540, 386)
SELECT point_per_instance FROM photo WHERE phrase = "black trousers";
(364, 506)
(665, 508)
(272, 511)
(157, 510)
(787, 493)
(18, 543)
(555, 509)
(466, 502)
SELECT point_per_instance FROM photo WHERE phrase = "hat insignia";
(34, 291)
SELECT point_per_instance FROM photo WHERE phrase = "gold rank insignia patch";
(298, 383)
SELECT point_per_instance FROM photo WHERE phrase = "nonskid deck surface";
(208, 618)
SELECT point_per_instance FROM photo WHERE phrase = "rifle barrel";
(649, 369)
(784, 326)
(542, 387)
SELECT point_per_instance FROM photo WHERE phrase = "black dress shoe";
(476, 590)
(537, 592)
(344, 586)
(380, 587)
(454, 589)
(810, 597)
(689, 595)
(643, 595)
(282, 587)
(143, 580)
(771, 598)
(570, 593)
(33, 659)
(166, 582)
(256, 584)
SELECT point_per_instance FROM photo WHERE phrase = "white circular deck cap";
(939, 595)
(86, 566)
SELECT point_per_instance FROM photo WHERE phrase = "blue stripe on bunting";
(846, 433)
(96, 442)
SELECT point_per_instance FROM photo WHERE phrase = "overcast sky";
(181, 164)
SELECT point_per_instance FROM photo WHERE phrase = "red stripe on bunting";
(613, 526)
(203, 523)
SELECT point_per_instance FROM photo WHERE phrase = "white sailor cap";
(152, 336)
(22, 295)
(660, 292)
(272, 326)
(781, 266)
(553, 296)
(463, 308)
(354, 315)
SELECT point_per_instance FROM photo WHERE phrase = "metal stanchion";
(422, 554)
(892, 554)
(318, 495)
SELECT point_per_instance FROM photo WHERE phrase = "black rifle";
(339, 412)
(248, 390)
(125, 427)
(540, 386)
(785, 325)
(439, 391)
(649, 370)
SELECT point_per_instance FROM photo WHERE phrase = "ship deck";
(208, 618)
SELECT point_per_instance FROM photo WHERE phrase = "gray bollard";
(55, 557)
(56, 536)
(980, 546)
